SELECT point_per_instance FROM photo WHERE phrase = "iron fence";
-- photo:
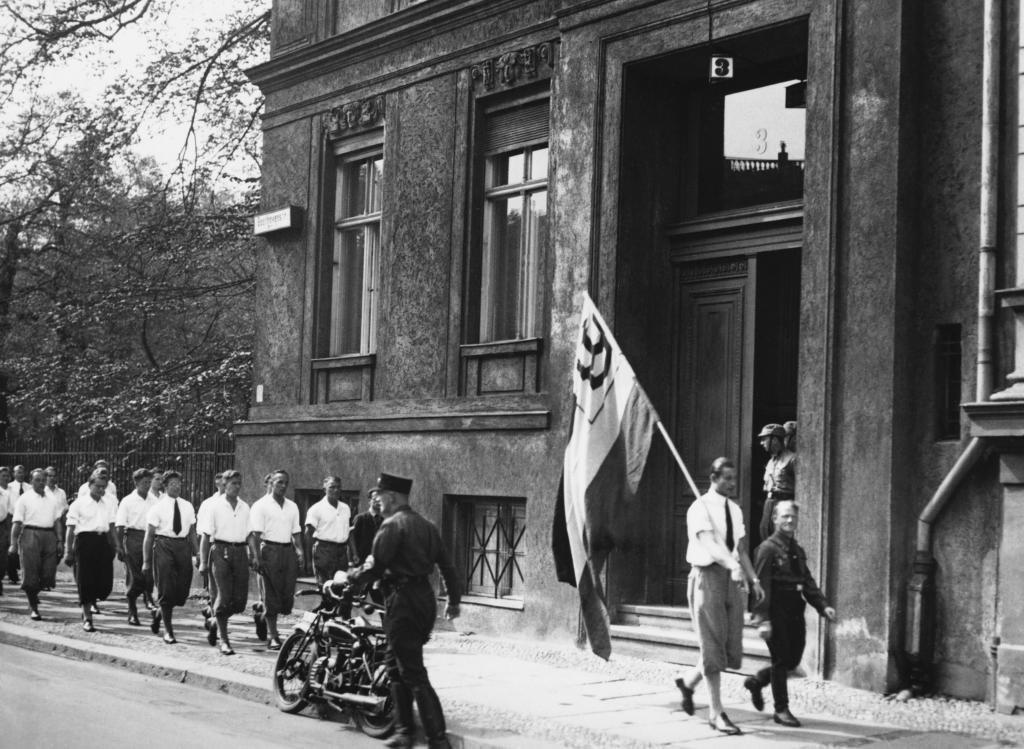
(196, 460)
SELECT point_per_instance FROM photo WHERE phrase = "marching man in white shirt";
(130, 522)
(224, 554)
(102, 468)
(37, 532)
(720, 571)
(167, 550)
(327, 527)
(275, 540)
(6, 518)
(90, 546)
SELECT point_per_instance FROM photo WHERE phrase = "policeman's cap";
(388, 483)
(772, 430)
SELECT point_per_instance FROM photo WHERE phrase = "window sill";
(343, 378)
(513, 604)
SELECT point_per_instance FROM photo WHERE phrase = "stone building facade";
(775, 203)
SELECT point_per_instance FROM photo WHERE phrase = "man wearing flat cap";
(779, 474)
(405, 551)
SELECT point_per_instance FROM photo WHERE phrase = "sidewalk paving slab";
(508, 694)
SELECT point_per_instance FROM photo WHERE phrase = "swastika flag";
(613, 422)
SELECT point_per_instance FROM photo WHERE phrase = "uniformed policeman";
(779, 474)
(781, 565)
(405, 551)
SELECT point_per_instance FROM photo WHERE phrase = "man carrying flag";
(613, 421)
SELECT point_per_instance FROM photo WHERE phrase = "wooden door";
(713, 343)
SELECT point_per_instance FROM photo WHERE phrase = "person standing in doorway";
(779, 474)
(275, 539)
(720, 572)
(781, 564)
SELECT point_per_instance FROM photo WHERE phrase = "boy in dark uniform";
(781, 565)
(405, 551)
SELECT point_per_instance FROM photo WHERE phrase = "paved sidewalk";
(516, 694)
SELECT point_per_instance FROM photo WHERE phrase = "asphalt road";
(46, 700)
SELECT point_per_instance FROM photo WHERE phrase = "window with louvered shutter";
(513, 237)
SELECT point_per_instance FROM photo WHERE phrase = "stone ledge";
(454, 422)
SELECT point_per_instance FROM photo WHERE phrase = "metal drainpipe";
(920, 635)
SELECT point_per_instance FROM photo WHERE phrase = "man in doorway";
(360, 541)
(779, 474)
(327, 530)
(405, 552)
(720, 572)
(781, 563)
(37, 535)
(275, 540)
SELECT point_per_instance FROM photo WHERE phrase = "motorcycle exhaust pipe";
(362, 700)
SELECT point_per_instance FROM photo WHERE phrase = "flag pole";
(679, 460)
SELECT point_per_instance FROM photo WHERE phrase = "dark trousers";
(229, 578)
(410, 619)
(94, 563)
(328, 558)
(136, 581)
(786, 646)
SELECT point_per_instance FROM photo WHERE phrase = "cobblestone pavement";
(638, 705)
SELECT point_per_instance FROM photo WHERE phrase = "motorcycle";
(332, 659)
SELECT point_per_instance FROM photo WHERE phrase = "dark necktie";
(176, 524)
(730, 542)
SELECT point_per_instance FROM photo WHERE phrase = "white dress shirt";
(330, 523)
(90, 515)
(707, 513)
(59, 494)
(161, 517)
(276, 522)
(83, 490)
(38, 510)
(220, 522)
(133, 511)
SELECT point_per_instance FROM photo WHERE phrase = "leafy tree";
(126, 292)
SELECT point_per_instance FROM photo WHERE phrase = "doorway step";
(665, 633)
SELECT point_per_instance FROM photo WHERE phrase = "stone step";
(679, 645)
(663, 616)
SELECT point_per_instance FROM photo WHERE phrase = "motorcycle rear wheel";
(376, 725)
(290, 673)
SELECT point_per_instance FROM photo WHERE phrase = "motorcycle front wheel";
(290, 673)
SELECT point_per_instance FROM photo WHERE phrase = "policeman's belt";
(787, 587)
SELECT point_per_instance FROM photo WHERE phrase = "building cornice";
(388, 34)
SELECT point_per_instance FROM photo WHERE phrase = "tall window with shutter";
(510, 235)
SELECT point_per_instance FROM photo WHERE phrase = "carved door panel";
(713, 347)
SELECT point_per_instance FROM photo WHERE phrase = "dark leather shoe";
(211, 635)
(754, 687)
(133, 620)
(154, 624)
(723, 724)
(785, 718)
(687, 701)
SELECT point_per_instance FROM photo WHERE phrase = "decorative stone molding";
(698, 271)
(514, 67)
(355, 116)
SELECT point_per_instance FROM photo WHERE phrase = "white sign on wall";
(284, 218)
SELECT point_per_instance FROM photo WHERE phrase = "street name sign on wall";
(288, 217)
